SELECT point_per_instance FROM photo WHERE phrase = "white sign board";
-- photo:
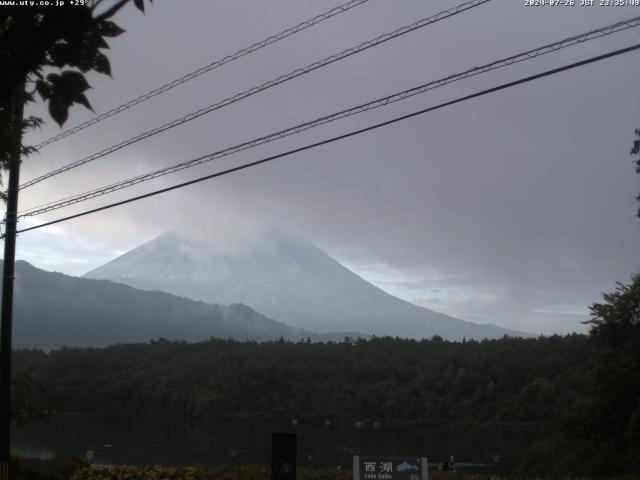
(390, 468)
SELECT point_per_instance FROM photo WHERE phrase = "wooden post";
(283, 456)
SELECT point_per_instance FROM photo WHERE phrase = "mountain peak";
(283, 275)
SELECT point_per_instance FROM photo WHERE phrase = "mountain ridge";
(53, 310)
(286, 277)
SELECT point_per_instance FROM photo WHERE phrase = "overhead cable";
(340, 137)
(207, 68)
(272, 83)
(520, 57)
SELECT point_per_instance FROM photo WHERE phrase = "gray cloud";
(518, 206)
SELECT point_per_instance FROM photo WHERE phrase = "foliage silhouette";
(67, 42)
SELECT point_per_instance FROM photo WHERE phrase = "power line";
(272, 83)
(528, 55)
(207, 68)
(343, 136)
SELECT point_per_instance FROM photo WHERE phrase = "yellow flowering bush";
(247, 473)
(200, 473)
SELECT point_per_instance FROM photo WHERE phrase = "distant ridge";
(53, 310)
(285, 277)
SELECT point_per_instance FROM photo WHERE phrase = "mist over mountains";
(285, 277)
(52, 310)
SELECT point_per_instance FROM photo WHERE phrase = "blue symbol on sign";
(404, 466)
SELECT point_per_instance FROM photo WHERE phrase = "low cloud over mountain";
(53, 310)
(285, 277)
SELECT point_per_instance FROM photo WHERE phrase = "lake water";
(145, 441)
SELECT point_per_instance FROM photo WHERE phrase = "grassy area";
(248, 473)
(66, 468)
(61, 468)
(201, 473)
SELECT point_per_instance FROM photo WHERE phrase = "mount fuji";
(285, 277)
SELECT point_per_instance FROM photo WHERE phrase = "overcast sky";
(515, 208)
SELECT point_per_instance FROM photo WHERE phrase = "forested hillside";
(54, 310)
(558, 386)
(393, 380)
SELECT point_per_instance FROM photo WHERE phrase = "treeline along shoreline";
(553, 384)
(507, 381)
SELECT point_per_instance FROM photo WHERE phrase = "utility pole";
(13, 123)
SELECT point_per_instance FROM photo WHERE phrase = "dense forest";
(558, 384)
(384, 379)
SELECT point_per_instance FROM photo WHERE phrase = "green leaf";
(82, 99)
(101, 64)
(109, 29)
(100, 42)
(65, 90)
(85, 62)
(69, 84)
(62, 54)
(26, 151)
(32, 122)
(58, 110)
(43, 88)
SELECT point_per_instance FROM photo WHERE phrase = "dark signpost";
(283, 456)
(390, 468)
